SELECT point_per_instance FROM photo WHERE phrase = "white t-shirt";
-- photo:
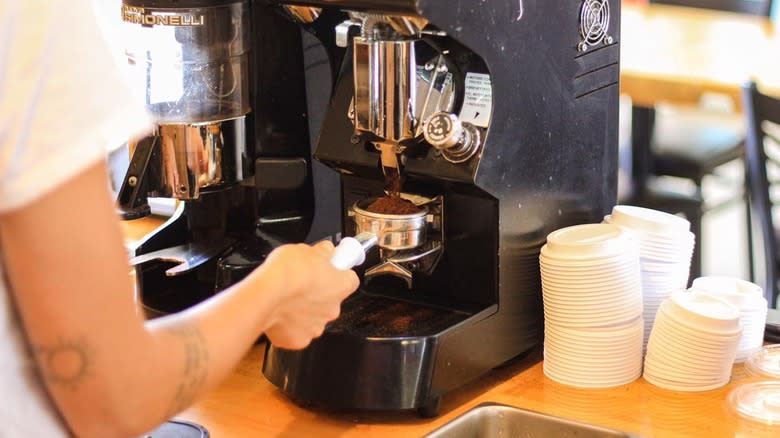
(63, 102)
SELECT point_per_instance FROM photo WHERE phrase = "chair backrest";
(762, 172)
(753, 7)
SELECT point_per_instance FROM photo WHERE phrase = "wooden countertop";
(247, 405)
(135, 230)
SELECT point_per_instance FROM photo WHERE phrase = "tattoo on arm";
(195, 367)
(67, 362)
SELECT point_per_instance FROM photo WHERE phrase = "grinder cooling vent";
(594, 24)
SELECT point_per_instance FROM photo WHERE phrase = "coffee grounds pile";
(392, 205)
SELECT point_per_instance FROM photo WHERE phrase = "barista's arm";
(109, 372)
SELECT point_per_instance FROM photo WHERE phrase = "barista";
(76, 357)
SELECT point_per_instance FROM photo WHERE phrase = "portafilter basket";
(394, 232)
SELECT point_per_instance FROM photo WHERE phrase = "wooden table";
(676, 54)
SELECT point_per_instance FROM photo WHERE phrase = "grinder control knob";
(458, 141)
(443, 130)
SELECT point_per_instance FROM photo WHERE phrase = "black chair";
(688, 143)
(645, 194)
(762, 158)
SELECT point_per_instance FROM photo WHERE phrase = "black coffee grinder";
(225, 82)
(501, 119)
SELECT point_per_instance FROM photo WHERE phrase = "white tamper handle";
(351, 251)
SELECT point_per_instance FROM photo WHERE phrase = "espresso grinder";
(497, 122)
(225, 82)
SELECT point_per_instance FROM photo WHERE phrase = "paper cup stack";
(665, 250)
(749, 299)
(592, 306)
(693, 343)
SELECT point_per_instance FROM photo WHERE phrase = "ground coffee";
(393, 203)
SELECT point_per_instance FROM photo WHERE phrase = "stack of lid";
(693, 343)
(749, 299)
(665, 251)
(592, 306)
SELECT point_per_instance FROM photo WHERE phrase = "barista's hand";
(313, 291)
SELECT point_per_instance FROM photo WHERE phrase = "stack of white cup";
(749, 299)
(665, 249)
(592, 306)
(693, 343)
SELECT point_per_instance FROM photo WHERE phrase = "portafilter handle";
(351, 251)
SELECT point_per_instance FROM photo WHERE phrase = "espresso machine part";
(186, 257)
(225, 83)
(351, 251)
(195, 76)
(523, 143)
(190, 157)
(191, 57)
(392, 93)
(394, 231)
(385, 91)
(457, 141)
(303, 14)
(408, 243)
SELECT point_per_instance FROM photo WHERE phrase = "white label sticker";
(478, 100)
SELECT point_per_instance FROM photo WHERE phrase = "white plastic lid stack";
(592, 306)
(594, 357)
(665, 247)
(651, 221)
(586, 241)
(693, 343)
(749, 299)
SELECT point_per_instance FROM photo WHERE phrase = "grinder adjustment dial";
(458, 141)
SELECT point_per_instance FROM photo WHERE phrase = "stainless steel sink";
(496, 420)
